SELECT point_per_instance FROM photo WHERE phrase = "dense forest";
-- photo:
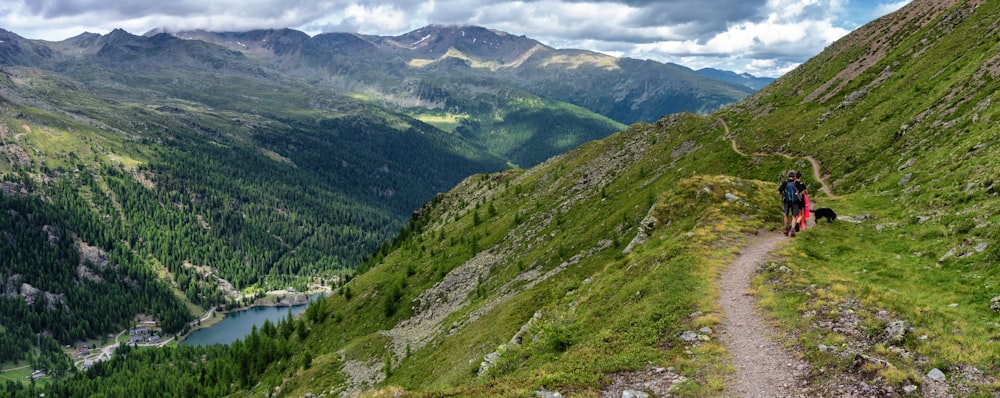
(52, 289)
(116, 209)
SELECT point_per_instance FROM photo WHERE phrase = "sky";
(760, 37)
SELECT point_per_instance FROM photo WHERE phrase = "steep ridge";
(624, 90)
(899, 113)
(847, 114)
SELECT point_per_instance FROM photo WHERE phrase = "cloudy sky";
(761, 37)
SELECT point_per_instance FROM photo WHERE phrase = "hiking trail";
(815, 163)
(764, 368)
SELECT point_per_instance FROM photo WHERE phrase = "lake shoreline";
(274, 299)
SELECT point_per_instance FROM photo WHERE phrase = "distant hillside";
(201, 170)
(436, 66)
(742, 79)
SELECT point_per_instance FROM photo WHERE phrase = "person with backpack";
(789, 203)
(803, 202)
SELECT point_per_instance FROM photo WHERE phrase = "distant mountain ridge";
(202, 169)
(743, 79)
(623, 89)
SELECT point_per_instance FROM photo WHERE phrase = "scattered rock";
(906, 179)
(936, 375)
(861, 359)
(12, 189)
(849, 219)
(646, 228)
(688, 336)
(542, 393)
(54, 233)
(656, 382)
(634, 394)
(894, 332)
(909, 389)
(732, 198)
(947, 255)
(488, 361)
(981, 247)
(995, 303)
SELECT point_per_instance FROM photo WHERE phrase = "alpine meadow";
(486, 229)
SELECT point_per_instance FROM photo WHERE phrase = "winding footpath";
(812, 161)
(764, 368)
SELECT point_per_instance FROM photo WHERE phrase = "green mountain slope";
(212, 175)
(410, 71)
(526, 281)
(525, 270)
(192, 197)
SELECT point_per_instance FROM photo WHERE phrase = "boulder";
(895, 332)
(936, 375)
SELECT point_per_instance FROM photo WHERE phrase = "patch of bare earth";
(764, 367)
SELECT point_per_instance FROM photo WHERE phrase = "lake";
(237, 325)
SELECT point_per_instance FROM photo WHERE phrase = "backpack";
(791, 193)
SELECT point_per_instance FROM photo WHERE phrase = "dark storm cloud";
(698, 18)
(125, 8)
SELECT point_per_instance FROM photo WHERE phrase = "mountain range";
(595, 272)
(198, 170)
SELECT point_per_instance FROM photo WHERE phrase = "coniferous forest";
(117, 210)
(156, 179)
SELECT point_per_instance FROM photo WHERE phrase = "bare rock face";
(646, 228)
(93, 254)
(10, 286)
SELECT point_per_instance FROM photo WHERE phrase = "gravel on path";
(763, 367)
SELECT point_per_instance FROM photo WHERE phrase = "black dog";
(826, 213)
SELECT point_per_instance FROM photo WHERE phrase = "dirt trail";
(815, 163)
(764, 368)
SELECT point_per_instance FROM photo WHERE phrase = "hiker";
(789, 203)
(803, 203)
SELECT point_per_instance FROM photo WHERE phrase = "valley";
(461, 262)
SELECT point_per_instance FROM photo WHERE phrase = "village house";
(140, 331)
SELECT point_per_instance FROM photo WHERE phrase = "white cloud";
(739, 35)
(886, 8)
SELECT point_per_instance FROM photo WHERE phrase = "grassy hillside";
(529, 280)
(541, 251)
(899, 116)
